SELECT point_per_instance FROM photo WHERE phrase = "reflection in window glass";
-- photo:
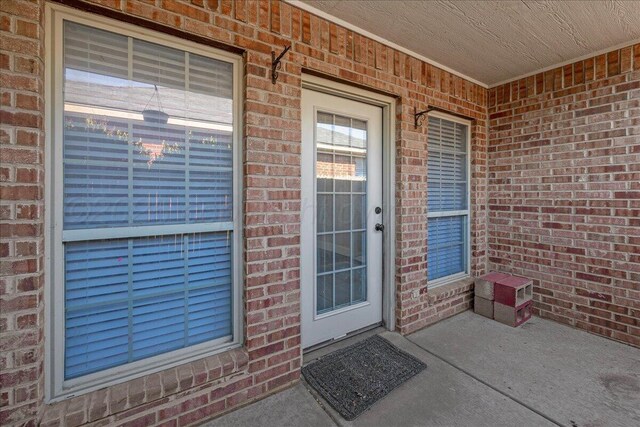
(341, 178)
(447, 180)
(147, 141)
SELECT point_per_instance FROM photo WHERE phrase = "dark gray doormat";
(354, 378)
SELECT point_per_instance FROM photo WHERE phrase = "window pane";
(325, 252)
(358, 211)
(342, 251)
(359, 289)
(344, 171)
(447, 166)
(358, 133)
(446, 246)
(325, 172)
(146, 141)
(359, 183)
(324, 128)
(325, 292)
(324, 208)
(128, 299)
(343, 289)
(343, 212)
(359, 248)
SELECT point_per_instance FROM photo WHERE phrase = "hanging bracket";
(276, 64)
(418, 117)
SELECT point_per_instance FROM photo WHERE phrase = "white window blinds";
(448, 209)
(147, 145)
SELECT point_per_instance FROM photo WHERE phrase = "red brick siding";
(564, 199)
(271, 356)
(21, 211)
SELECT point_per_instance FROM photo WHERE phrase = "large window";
(144, 204)
(448, 200)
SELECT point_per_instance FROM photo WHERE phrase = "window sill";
(111, 400)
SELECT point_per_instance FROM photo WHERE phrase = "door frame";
(388, 105)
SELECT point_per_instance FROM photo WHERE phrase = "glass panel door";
(341, 233)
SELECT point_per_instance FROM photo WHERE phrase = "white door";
(341, 236)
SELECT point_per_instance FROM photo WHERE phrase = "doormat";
(352, 379)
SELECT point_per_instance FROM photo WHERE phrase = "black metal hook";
(418, 117)
(276, 64)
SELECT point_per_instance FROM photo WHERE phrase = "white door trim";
(388, 105)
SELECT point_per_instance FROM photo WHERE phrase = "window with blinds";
(447, 201)
(146, 165)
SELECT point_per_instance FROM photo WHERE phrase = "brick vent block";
(483, 307)
(513, 291)
(512, 316)
(484, 285)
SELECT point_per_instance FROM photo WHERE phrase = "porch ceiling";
(493, 41)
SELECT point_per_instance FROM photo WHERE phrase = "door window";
(341, 239)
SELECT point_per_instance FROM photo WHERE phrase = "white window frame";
(56, 388)
(466, 212)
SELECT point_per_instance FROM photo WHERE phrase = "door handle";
(379, 227)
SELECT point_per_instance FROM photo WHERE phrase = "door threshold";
(323, 348)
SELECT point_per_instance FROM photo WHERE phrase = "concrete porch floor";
(482, 373)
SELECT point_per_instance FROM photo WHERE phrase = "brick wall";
(564, 199)
(21, 211)
(271, 356)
